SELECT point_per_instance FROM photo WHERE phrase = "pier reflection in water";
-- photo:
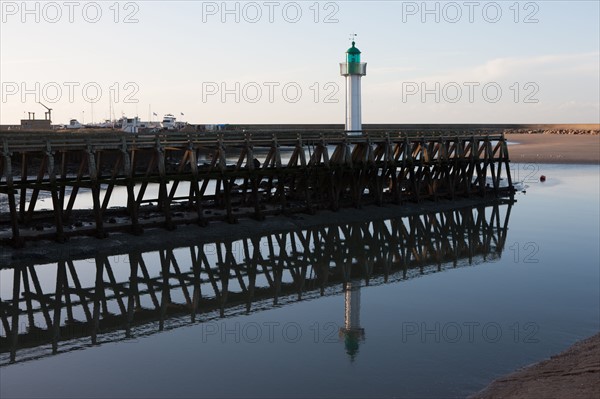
(117, 296)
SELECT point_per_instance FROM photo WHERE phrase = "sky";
(278, 61)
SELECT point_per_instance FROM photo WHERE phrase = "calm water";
(448, 306)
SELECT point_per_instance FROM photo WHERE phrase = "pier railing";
(31, 141)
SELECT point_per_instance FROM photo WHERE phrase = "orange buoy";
(542, 178)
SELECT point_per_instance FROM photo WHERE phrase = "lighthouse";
(353, 70)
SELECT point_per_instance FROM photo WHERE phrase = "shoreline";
(573, 373)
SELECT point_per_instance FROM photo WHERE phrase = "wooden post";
(163, 197)
(23, 195)
(93, 172)
(14, 217)
(196, 196)
(56, 203)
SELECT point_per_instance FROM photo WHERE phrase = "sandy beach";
(554, 148)
(573, 374)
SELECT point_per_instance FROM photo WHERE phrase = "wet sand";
(554, 148)
(573, 374)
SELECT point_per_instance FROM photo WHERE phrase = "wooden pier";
(114, 295)
(233, 174)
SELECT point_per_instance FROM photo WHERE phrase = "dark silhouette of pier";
(232, 174)
(117, 296)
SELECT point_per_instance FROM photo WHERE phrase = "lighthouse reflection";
(58, 307)
(352, 332)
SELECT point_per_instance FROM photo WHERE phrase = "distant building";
(36, 124)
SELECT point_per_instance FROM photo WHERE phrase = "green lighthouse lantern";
(353, 54)
(353, 66)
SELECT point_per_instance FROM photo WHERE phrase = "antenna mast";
(47, 114)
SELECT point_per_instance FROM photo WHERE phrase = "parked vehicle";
(135, 125)
(74, 124)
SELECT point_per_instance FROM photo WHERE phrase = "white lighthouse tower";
(353, 70)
